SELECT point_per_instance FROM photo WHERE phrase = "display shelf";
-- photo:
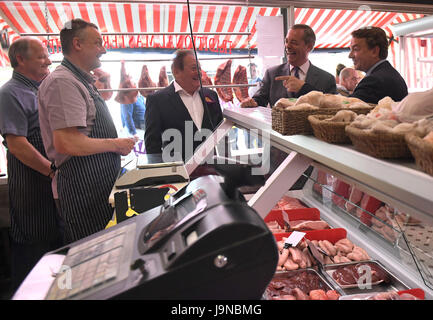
(396, 182)
(394, 258)
(398, 179)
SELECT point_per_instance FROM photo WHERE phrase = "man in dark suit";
(300, 76)
(180, 117)
(369, 50)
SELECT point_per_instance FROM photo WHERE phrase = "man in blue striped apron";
(34, 229)
(79, 134)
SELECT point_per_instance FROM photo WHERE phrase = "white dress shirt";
(193, 103)
(369, 71)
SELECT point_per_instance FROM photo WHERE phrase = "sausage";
(280, 245)
(362, 252)
(332, 295)
(337, 259)
(344, 259)
(290, 264)
(295, 253)
(324, 248)
(344, 245)
(283, 257)
(302, 245)
(307, 257)
(303, 263)
(330, 247)
(318, 294)
(355, 256)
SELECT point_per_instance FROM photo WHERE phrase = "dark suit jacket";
(166, 110)
(271, 91)
(383, 81)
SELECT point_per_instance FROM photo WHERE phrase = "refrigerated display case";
(384, 205)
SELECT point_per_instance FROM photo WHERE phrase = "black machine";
(204, 243)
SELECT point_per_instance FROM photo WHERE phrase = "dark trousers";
(25, 256)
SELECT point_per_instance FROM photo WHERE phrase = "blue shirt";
(133, 115)
(18, 106)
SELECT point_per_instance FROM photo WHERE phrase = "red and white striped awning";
(333, 27)
(30, 17)
(4, 59)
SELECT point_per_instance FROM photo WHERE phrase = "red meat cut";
(354, 198)
(321, 180)
(163, 79)
(341, 190)
(223, 76)
(205, 80)
(130, 96)
(145, 82)
(240, 77)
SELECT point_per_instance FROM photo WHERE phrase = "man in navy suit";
(179, 117)
(369, 50)
(302, 75)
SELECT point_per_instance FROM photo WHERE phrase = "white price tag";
(294, 238)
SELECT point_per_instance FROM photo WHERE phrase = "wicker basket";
(329, 131)
(382, 145)
(289, 122)
(422, 151)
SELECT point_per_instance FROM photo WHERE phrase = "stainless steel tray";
(327, 285)
(393, 282)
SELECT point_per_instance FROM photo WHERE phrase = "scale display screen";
(183, 209)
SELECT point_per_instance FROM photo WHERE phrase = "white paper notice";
(295, 238)
(270, 36)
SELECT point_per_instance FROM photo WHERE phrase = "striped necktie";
(295, 72)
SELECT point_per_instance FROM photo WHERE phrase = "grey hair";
(19, 47)
(179, 58)
(345, 73)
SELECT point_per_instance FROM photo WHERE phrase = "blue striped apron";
(32, 209)
(84, 182)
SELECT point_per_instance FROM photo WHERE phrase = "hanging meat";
(163, 79)
(240, 77)
(205, 80)
(146, 82)
(127, 96)
(223, 76)
(103, 82)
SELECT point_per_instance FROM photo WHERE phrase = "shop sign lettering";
(214, 44)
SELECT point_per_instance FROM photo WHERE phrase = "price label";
(294, 238)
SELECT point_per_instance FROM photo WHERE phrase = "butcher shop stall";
(302, 204)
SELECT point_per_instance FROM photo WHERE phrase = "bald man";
(34, 220)
(348, 81)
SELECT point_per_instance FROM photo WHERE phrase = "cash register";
(205, 242)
